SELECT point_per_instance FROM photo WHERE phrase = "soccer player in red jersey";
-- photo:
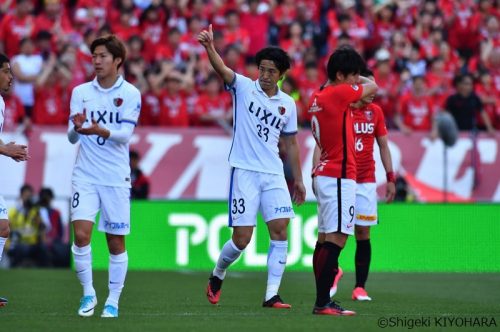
(334, 173)
(369, 125)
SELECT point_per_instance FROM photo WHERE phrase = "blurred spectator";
(16, 26)
(26, 232)
(466, 106)
(54, 234)
(490, 97)
(415, 64)
(140, 182)
(415, 108)
(257, 24)
(26, 67)
(214, 107)
(234, 34)
(388, 83)
(173, 107)
(400, 39)
(15, 118)
(53, 19)
(51, 93)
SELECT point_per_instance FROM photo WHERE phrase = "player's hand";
(206, 38)
(299, 192)
(79, 119)
(16, 151)
(94, 129)
(390, 192)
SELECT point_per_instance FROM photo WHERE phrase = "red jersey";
(333, 130)
(416, 111)
(151, 109)
(12, 30)
(14, 112)
(173, 111)
(50, 105)
(368, 124)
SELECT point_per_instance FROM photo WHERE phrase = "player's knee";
(4, 229)
(279, 235)
(241, 241)
(82, 238)
(362, 233)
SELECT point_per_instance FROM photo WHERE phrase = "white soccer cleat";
(110, 312)
(87, 305)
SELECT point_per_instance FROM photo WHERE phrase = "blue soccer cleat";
(87, 305)
(110, 312)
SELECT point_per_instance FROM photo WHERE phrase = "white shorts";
(366, 204)
(113, 202)
(336, 199)
(251, 192)
(4, 215)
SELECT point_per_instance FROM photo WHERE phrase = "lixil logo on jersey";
(118, 102)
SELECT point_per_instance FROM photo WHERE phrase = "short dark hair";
(113, 45)
(367, 72)
(280, 58)
(344, 60)
(458, 79)
(46, 192)
(26, 187)
(3, 59)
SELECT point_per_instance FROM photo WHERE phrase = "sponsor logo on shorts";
(283, 209)
(364, 217)
(3, 211)
(115, 225)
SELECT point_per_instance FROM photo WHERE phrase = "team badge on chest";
(118, 102)
(369, 115)
(281, 109)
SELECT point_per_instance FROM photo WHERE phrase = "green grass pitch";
(47, 300)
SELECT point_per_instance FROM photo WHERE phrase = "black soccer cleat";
(276, 302)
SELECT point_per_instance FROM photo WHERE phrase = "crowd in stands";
(419, 50)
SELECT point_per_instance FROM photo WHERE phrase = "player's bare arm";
(15, 151)
(369, 86)
(206, 38)
(385, 155)
(292, 148)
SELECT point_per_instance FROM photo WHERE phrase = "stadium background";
(184, 152)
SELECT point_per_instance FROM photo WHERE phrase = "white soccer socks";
(83, 268)
(118, 265)
(228, 255)
(276, 261)
(2, 244)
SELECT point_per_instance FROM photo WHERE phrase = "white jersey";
(2, 113)
(259, 121)
(103, 161)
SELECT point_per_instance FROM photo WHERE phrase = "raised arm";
(369, 86)
(206, 38)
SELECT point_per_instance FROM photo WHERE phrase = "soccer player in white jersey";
(104, 113)
(12, 150)
(262, 113)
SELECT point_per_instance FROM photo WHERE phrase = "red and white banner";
(192, 164)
